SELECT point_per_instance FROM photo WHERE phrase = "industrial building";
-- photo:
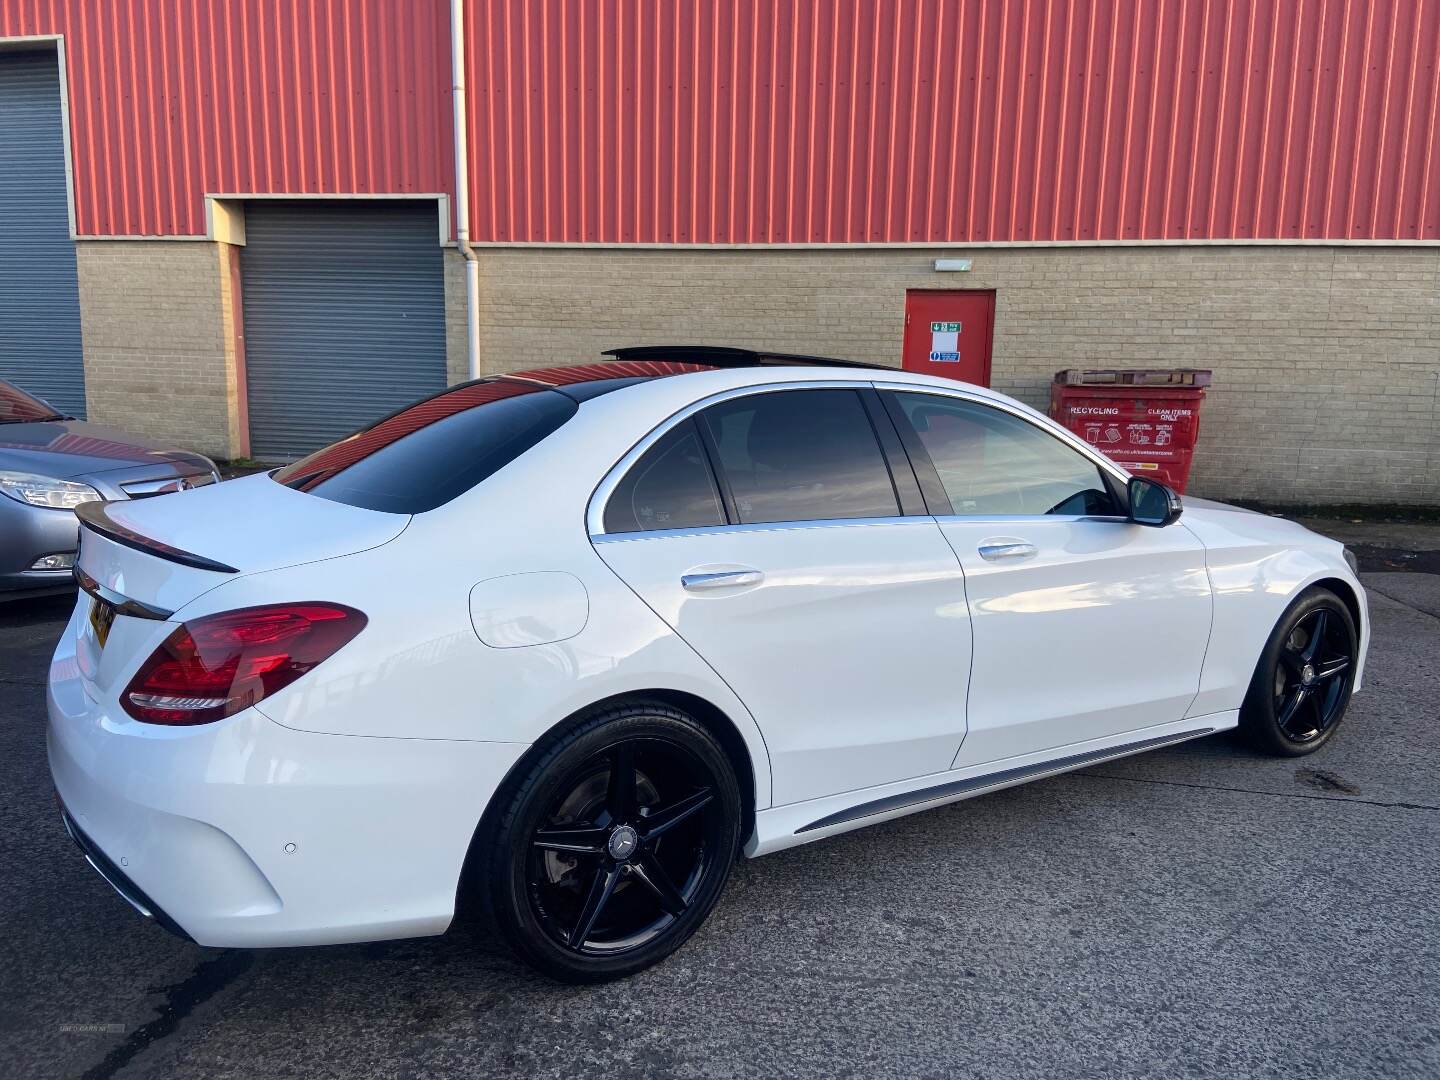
(247, 226)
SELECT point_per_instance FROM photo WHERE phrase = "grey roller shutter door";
(344, 312)
(39, 296)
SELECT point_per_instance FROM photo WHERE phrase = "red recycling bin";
(1146, 421)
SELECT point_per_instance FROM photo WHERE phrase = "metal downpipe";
(462, 190)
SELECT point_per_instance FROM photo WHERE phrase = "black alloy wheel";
(1303, 682)
(617, 844)
(1310, 679)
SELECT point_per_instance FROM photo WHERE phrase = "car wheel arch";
(1260, 724)
(1346, 592)
(709, 715)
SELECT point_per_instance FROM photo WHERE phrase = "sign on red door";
(948, 333)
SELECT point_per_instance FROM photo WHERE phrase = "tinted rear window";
(801, 455)
(439, 448)
(669, 488)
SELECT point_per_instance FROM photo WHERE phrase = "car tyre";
(1302, 683)
(612, 845)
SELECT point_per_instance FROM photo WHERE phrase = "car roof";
(660, 380)
(584, 381)
(638, 365)
(659, 396)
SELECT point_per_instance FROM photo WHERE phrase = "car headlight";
(46, 491)
(1350, 560)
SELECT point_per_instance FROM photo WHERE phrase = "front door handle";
(1008, 549)
(723, 579)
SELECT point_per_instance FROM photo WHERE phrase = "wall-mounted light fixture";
(943, 265)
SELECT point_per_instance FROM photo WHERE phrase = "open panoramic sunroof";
(725, 356)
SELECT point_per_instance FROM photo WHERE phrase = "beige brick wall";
(160, 324)
(1326, 360)
(158, 360)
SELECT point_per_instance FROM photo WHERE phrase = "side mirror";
(1153, 503)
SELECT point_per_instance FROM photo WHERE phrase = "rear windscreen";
(424, 456)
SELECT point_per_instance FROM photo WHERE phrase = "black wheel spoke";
(620, 791)
(633, 834)
(661, 820)
(1317, 636)
(1291, 709)
(651, 874)
(601, 889)
(581, 839)
(1310, 681)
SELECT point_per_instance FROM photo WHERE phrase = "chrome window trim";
(1069, 438)
(1016, 519)
(760, 526)
(595, 510)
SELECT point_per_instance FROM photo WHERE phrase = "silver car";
(50, 464)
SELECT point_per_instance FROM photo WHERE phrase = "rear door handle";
(1008, 549)
(723, 579)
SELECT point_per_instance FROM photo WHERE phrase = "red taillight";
(219, 664)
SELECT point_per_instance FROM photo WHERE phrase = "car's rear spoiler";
(94, 517)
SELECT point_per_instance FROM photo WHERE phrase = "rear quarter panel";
(1257, 566)
(419, 669)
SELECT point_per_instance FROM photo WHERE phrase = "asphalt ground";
(1193, 912)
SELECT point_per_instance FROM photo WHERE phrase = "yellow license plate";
(102, 617)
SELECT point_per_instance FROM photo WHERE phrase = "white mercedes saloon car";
(558, 646)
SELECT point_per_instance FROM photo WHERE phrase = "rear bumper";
(244, 833)
(117, 878)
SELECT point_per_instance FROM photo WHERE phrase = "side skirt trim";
(975, 785)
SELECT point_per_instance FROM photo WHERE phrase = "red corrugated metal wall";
(816, 121)
(772, 121)
(171, 99)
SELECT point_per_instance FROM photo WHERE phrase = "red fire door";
(948, 333)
